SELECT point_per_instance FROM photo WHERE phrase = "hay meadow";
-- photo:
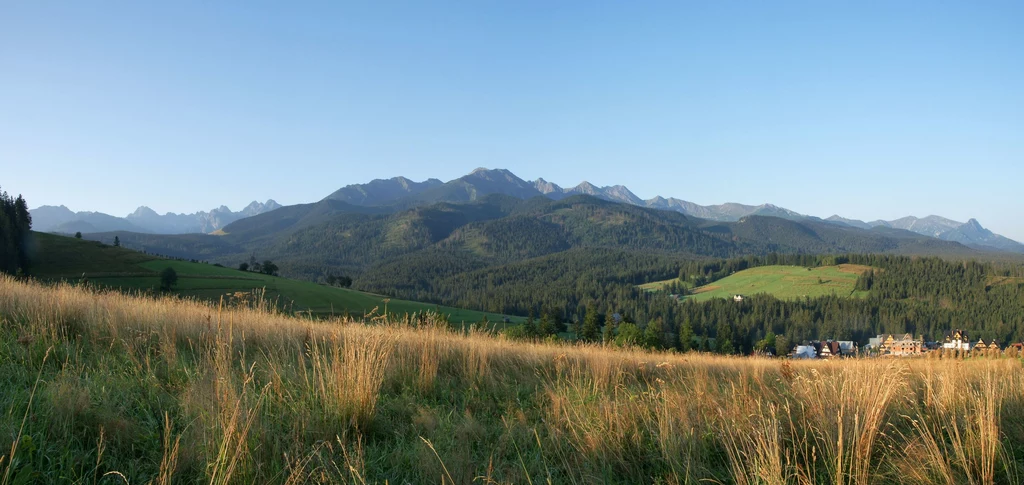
(102, 387)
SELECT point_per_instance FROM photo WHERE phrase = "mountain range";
(60, 219)
(399, 193)
(402, 192)
(389, 248)
(490, 240)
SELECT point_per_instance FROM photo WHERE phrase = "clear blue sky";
(866, 109)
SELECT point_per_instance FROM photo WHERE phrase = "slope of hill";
(851, 222)
(64, 258)
(312, 240)
(382, 192)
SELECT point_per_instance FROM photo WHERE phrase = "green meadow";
(66, 258)
(785, 282)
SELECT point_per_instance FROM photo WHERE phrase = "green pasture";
(785, 282)
(59, 257)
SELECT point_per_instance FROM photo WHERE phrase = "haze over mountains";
(400, 193)
(145, 220)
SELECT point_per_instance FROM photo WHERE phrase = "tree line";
(924, 296)
(15, 235)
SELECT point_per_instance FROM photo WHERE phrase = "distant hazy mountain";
(50, 218)
(145, 220)
(933, 226)
(969, 233)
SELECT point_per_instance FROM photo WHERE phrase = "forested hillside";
(581, 255)
(312, 241)
(15, 235)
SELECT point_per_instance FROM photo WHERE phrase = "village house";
(804, 352)
(982, 345)
(897, 345)
(824, 350)
(828, 350)
(957, 340)
(737, 298)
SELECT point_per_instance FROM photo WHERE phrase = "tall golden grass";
(247, 395)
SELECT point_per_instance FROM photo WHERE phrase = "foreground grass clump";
(104, 387)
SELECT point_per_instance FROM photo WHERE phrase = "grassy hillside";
(106, 387)
(68, 258)
(785, 282)
(661, 285)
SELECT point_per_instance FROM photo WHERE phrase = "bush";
(168, 278)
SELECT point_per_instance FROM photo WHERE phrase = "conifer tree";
(591, 330)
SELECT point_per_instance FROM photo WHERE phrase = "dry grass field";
(102, 387)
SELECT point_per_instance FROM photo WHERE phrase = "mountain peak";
(143, 211)
(546, 188)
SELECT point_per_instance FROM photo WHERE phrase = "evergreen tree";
(653, 334)
(577, 327)
(530, 326)
(686, 336)
(546, 327)
(724, 339)
(15, 234)
(607, 334)
(591, 330)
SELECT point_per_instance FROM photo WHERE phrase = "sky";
(870, 110)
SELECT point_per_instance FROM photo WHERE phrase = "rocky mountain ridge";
(145, 220)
